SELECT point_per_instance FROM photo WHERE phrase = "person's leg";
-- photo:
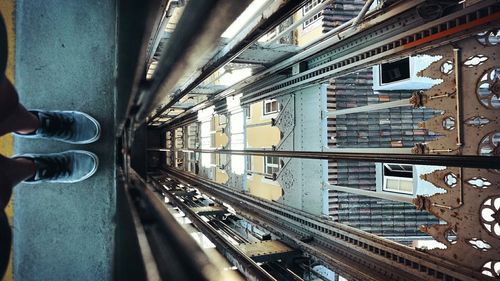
(13, 116)
(12, 172)
(65, 167)
(67, 126)
(5, 243)
(20, 121)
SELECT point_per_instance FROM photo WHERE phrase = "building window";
(270, 106)
(207, 142)
(271, 165)
(398, 178)
(309, 6)
(249, 164)
(237, 141)
(223, 160)
(395, 71)
(192, 162)
(192, 136)
(247, 112)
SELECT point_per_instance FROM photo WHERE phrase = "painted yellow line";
(7, 8)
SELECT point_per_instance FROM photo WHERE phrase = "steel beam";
(384, 150)
(197, 33)
(362, 13)
(190, 263)
(273, 15)
(466, 161)
(386, 49)
(150, 265)
(353, 253)
(363, 49)
(328, 39)
(158, 33)
(250, 269)
(132, 45)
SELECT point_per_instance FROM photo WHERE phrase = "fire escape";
(170, 81)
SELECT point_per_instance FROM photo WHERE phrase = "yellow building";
(245, 127)
(213, 136)
(220, 140)
(260, 134)
(311, 29)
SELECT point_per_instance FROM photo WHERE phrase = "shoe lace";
(54, 167)
(57, 124)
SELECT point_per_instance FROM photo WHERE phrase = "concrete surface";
(65, 59)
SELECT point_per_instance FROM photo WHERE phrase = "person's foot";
(67, 126)
(65, 167)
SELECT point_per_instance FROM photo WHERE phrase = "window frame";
(248, 164)
(400, 178)
(403, 60)
(237, 140)
(399, 189)
(270, 101)
(271, 165)
(307, 7)
(248, 112)
(207, 141)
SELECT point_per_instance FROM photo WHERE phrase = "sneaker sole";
(92, 140)
(88, 175)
